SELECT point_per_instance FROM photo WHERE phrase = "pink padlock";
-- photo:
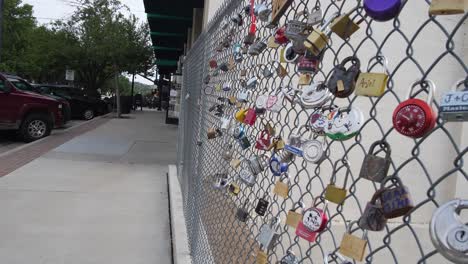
(264, 142)
(313, 221)
(305, 233)
(251, 117)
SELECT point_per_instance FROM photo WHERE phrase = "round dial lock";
(344, 124)
(457, 238)
(318, 122)
(315, 95)
(313, 151)
(414, 118)
(313, 219)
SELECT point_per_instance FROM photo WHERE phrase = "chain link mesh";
(418, 46)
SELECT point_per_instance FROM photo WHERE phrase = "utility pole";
(1, 28)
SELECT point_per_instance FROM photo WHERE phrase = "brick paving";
(16, 159)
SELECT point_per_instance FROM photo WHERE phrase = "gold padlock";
(371, 83)
(304, 79)
(281, 71)
(234, 189)
(232, 100)
(235, 163)
(281, 55)
(333, 193)
(294, 218)
(318, 38)
(262, 257)
(240, 115)
(272, 43)
(218, 87)
(447, 7)
(231, 64)
(353, 246)
(243, 73)
(281, 189)
(212, 133)
(280, 144)
(344, 26)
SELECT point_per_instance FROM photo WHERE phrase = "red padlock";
(264, 142)
(213, 64)
(414, 117)
(251, 117)
(313, 222)
(280, 38)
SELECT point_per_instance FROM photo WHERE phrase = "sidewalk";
(99, 198)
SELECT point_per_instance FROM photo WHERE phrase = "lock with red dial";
(415, 117)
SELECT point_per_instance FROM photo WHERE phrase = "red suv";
(31, 114)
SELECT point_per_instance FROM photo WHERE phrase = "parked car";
(32, 115)
(82, 105)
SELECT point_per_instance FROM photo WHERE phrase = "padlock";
(246, 176)
(213, 64)
(267, 71)
(319, 38)
(241, 114)
(352, 246)
(235, 163)
(342, 82)
(264, 141)
(244, 142)
(414, 117)
(314, 221)
(233, 189)
(242, 213)
(281, 188)
(344, 26)
(304, 79)
(289, 55)
(257, 164)
(314, 95)
(232, 100)
(237, 132)
(294, 144)
(277, 167)
(289, 258)
(319, 119)
(296, 30)
(334, 193)
(225, 123)
(226, 87)
(228, 152)
(262, 206)
(261, 104)
(344, 123)
(275, 103)
(448, 233)
(281, 71)
(314, 150)
(375, 168)
(268, 236)
(280, 37)
(250, 37)
(382, 10)
(243, 95)
(293, 218)
(454, 104)
(271, 43)
(373, 218)
(243, 73)
(309, 63)
(262, 257)
(339, 259)
(251, 83)
(278, 8)
(257, 48)
(315, 16)
(396, 200)
(222, 181)
(447, 7)
(263, 12)
(238, 20)
(223, 67)
(373, 83)
(213, 133)
(250, 117)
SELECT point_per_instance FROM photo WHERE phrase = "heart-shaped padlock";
(343, 80)
(315, 95)
(344, 123)
(414, 117)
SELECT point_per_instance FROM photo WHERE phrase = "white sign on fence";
(70, 75)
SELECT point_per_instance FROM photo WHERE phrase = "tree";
(108, 42)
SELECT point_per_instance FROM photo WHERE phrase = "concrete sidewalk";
(99, 198)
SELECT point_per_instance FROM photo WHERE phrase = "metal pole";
(117, 95)
(133, 87)
(1, 28)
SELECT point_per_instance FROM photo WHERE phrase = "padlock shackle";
(431, 86)
(384, 145)
(393, 179)
(378, 60)
(327, 23)
(336, 169)
(355, 60)
(325, 203)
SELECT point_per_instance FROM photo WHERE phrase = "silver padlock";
(454, 104)
(257, 164)
(338, 259)
(315, 95)
(246, 176)
(289, 258)
(261, 104)
(251, 83)
(228, 152)
(243, 95)
(314, 149)
(295, 141)
(315, 16)
(267, 236)
(225, 123)
(448, 233)
(222, 181)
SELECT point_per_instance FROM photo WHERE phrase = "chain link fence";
(417, 46)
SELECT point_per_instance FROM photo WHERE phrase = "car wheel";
(35, 126)
(88, 114)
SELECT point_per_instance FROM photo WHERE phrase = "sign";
(70, 75)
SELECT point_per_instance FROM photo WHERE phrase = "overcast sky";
(46, 11)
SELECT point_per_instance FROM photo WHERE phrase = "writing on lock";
(395, 199)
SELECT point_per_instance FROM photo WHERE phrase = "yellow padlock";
(262, 257)
(272, 43)
(293, 218)
(240, 115)
(344, 26)
(373, 83)
(281, 188)
(318, 39)
(447, 7)
(352, 246)
(333, 193)
(281, 55)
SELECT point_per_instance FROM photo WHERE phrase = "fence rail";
(417, 46)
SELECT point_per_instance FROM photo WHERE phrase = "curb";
(45, 138)
(181, 251)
